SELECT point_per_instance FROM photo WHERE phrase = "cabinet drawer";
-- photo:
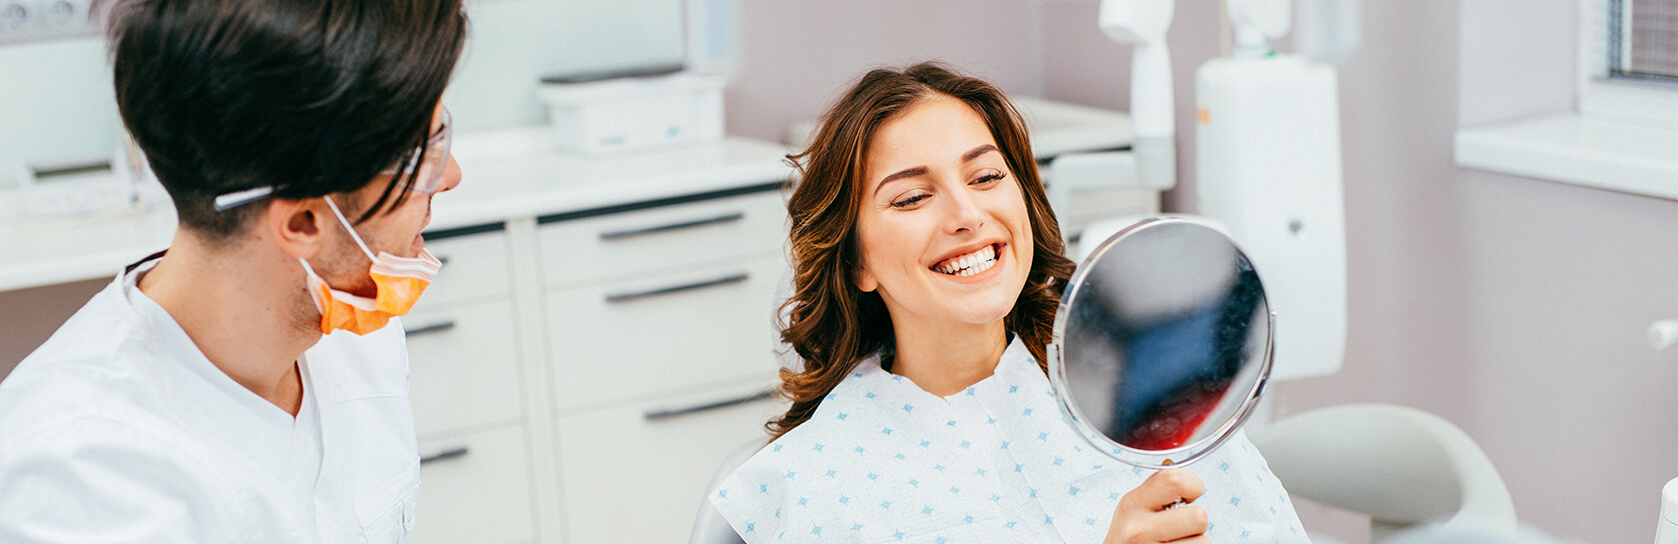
(632, 480)
(663, 239)
(476, 266)
(476, 489)
(465, 366)
(669, 332)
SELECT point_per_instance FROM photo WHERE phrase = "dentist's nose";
(451, 176)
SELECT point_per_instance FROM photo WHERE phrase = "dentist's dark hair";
(309, 97)
(831, 324)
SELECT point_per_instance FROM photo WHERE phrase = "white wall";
(1512, 307)
(1571, 402)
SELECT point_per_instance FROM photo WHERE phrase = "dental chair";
(710, 527)
(1407, 469)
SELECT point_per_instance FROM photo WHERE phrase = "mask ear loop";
(346, 223)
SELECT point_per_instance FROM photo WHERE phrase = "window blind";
(1642, 38)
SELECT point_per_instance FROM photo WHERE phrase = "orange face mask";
(400, 281)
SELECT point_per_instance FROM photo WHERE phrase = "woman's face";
(943, 228)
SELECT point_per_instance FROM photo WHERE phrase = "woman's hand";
(1144, 514)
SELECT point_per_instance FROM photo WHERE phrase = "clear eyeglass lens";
(433, 163)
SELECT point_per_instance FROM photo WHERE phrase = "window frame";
(1620, 100)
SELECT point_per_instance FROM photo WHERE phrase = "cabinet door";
(638, 339)
(629, 479)
(664, 239)
(476, 488)
(465, 367)
(475, 266)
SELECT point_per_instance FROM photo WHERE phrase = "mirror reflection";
(1164, 338)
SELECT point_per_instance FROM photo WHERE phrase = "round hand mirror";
(1162, 342)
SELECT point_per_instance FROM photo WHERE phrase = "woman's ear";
(864, 280)
(298, 226)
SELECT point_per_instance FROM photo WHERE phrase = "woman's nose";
(962, 212)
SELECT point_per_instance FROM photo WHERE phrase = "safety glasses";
(427, 164)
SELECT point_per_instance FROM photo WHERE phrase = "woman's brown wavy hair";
(829, 322)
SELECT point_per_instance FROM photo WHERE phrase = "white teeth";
(969, 264)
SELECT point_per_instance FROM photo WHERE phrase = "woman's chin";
(983, 312)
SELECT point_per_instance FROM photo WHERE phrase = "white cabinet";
(465, 367)
(475, 265)
(577, 377)
(632, 479)
(476, 478)
(703, 327)
(659, 327)
(476, 488)
(620, 245)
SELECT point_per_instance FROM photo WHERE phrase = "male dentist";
(250, 383)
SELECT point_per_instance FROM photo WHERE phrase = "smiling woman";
(875, 173)
(927, 271)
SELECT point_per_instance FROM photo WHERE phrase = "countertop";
(506, 175)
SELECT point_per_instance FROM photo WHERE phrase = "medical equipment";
(1267, 153)
(1142, 24)
(69, 190)
(1666, 532)
(1162, 343)
(39, 20)
(1268, 166)
(612, 113)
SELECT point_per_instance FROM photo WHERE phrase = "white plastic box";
(634, 113)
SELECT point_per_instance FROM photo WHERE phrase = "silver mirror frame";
(1181, 455)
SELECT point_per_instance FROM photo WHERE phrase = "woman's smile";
(969, 266)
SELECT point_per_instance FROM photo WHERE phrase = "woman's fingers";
(1145, 515)
(1197, 539)
(1176, 524)
(1165, 488)
(1151, 527)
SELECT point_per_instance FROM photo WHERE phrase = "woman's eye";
(990, 177)
(909, 201)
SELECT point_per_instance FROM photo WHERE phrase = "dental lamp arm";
(1143, 24)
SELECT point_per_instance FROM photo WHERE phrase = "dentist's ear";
(296, 225)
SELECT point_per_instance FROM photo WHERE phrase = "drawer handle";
(430, 328)
(614, 235)
(615, 298)
(661, 414)
(445, 455)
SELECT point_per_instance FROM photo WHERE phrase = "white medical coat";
(118, 429)
(882, 460)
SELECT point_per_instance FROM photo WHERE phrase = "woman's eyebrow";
(904, 173)
(922, 170)
(975, 152)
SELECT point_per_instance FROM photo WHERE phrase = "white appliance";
(79, 189)
(1267, 163)
(1666, 532)
(634, 113)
